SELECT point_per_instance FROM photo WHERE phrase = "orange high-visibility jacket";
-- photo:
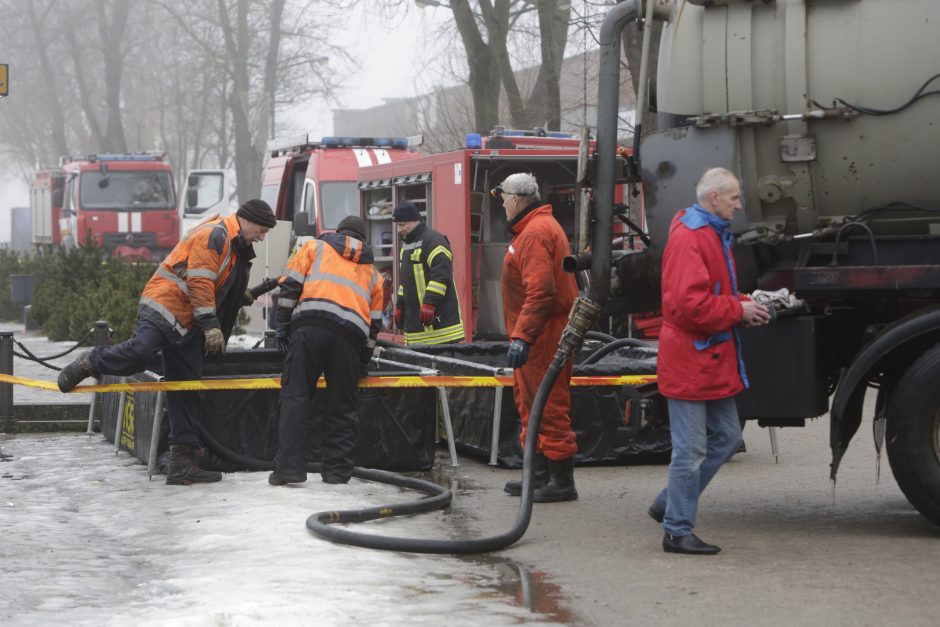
(331, 282)
(192, 279)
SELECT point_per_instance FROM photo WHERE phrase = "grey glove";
(215, 342)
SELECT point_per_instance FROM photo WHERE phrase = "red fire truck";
(452, 190)
(319, 177)
(126, 203)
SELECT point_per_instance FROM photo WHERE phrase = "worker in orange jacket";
(537, 297)
(329, 314)
(187, 308)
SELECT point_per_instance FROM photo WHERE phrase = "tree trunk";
(56, 114)
(112, 39)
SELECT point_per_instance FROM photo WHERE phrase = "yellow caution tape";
(273, 383)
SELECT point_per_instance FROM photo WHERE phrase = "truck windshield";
(338, 200)
(126, 190)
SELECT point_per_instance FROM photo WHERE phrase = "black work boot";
(182, 468)
(560, 486)
(539, 476)
(75, 373)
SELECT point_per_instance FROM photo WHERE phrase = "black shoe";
(540, 476)
(275, 479)
(335, 479)
(656, 513)
(560, 486)
(689, 545)
(182, 468)
(75, 373)
(741, 449)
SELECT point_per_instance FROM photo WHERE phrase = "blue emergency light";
(474, 141)
(363, 142)
(121, 158)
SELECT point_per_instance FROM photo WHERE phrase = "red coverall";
(537, 297)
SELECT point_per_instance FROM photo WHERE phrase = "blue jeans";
(182, 361)
(696, 456)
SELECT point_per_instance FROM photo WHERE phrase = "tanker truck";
(829, 113)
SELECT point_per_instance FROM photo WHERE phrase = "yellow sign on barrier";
(273, 383)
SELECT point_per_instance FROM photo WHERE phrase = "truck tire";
(913, 434)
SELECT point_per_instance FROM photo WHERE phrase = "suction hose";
(582, 318)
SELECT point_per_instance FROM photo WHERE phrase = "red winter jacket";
(699, 348)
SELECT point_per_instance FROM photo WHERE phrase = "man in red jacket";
(537, 297)
(700, 368)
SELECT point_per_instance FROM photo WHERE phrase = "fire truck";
(125, 203)
(452, 191)
(318, 178)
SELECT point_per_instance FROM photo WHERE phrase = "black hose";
(609, 348)
(597, 335)
(319, 523)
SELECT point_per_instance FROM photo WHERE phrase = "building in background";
(443, 117)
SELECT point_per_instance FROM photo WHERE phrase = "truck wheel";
(913, 434)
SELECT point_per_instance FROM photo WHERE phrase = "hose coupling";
(583, 315)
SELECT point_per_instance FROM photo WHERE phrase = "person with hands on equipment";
(700, 368)
(329, 314)
(427, 310)
(188, 308)
(537, 298)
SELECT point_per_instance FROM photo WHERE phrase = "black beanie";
(353, 224)
(257, 211)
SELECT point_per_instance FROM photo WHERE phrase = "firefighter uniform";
(537, 297)
(426, 276)
(330, 303)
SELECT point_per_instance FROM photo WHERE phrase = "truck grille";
(113, 240)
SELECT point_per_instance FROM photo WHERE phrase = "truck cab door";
(206, 193)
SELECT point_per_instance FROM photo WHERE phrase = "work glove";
(215, 342)
(248, 299)
(427, 313)
(400, 318)
(281, 335)
(518, 353)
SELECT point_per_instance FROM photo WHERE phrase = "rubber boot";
(75, 373)
(539, 476)
(560, 486)
(183, 470)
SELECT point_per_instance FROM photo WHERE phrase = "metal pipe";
(608, 102)
(101, 336)
(6, 367)
(444, 360)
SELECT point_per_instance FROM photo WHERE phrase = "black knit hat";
(353, 224)
(257, 211)
(406, 212)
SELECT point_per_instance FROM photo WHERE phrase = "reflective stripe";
(200, 272)
(437, 336)
(293, 274)
(202, 311)
(440, 250)
(375, 315)
(412, 245)
(437, 287)
(180, 283)
(166, 313)
(376, 277)
(401, 289)
(338, 280)
(419, 282)
(286, 302)
(332, 308)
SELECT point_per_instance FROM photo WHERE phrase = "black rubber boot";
(75, 373)
(539, 476)
(182, 468)
(560, 486)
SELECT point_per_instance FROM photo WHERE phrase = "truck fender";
(846, 411)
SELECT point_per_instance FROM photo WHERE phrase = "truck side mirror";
(302, 225)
